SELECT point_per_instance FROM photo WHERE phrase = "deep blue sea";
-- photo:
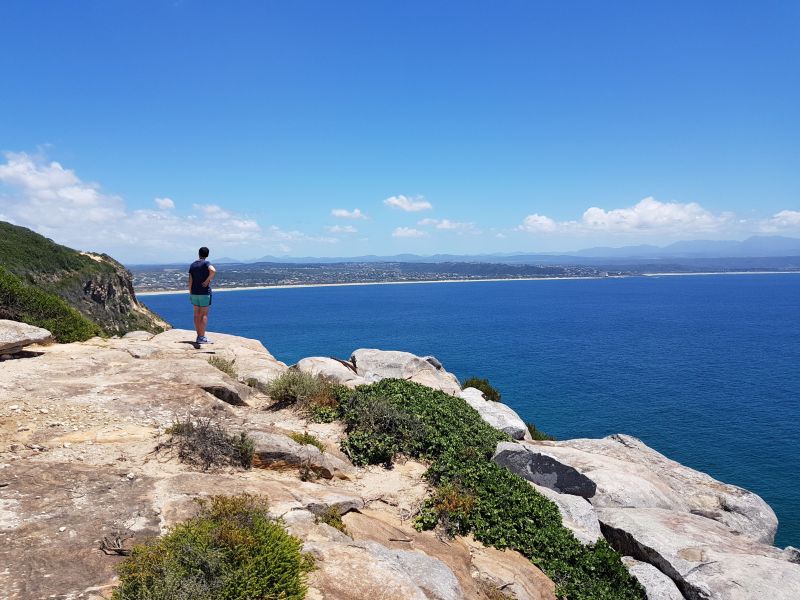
(705, 369)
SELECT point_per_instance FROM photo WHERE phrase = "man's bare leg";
(198, 321)
(201, 320)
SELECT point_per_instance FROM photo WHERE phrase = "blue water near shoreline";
(705, 369)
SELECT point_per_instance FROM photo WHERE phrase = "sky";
(148, 128)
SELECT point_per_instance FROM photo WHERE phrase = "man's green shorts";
(200, 299)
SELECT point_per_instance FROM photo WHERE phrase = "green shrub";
(489, 391)
(316, 397)
(307, 438)
(29, 304)
(330, 516)
(378, 429)
(232, 550)
(206, 444)
(473, 494)
(224, 365)
(539, 435)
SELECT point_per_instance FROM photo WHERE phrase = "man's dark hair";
(203, 252)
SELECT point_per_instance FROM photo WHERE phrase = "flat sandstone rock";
(14, 336)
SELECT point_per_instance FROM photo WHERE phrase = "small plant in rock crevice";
(331, 516)
(307, 438)
(223, 364)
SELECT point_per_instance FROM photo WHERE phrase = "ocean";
(705, 369)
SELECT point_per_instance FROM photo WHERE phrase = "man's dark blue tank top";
(199, 272)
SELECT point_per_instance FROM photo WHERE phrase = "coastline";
(427, 281)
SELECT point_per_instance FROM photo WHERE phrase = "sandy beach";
(359, 283)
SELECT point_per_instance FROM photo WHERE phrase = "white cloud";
(537, 223)
(343, 213)
(407, 204)
(408, 232)
(164, 203)
(54, 201)
(785, 219)
(647, 216)
(342, 229)
(54, 195)
(447, 224)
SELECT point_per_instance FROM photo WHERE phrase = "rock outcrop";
(705, 559)
(14, 336)
(44, 283)
(374, 365)
(333, 369)
(497, 414)
(630, 474)
(79, 425)
(710, 539)
(538, 466)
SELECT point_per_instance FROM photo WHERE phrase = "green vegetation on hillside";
(473, 494)
(73, 295)
(232, 550)
(25, 252)
(29, 304)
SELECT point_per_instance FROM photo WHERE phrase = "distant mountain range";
(753, 247)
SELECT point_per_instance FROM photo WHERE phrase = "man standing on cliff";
(201, 272)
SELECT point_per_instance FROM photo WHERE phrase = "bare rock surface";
(331, 368)
(705, 559)
(657, 585)
(539, 466)
(14, 336)
(374, 365)
(249, 357)
(497, 414)
(577, 514)
(628, 473)
(471, 562)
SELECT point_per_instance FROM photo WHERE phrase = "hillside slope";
(74, 294)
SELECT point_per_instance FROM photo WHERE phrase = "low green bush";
(307, 438)
(232, 550)
(207, 444)
(538, 435)
(473, 494)
(22, 302)
(489, 391)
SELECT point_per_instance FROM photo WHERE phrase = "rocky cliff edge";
(79, 424)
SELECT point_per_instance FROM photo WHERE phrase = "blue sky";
(147, 128)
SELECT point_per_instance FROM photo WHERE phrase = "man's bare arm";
(190, 282)
(211, 272)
